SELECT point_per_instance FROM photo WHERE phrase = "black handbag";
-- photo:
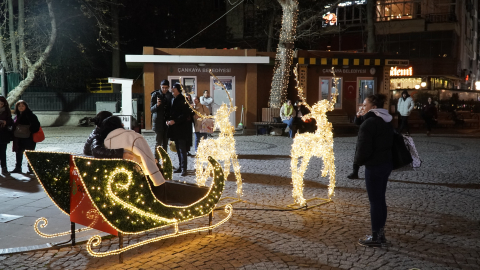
(277, 120)
(21, 131)
(400, 153)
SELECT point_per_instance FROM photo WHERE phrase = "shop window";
(366, 87)
(326, 90)
(398, 10)
(189, 83)
(353, 14)
(220, 96)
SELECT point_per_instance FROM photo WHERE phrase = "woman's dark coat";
(98, 149)
(430, 110)
(181, 114)
(374, 143)
(28, 118)
(160, 113)
(5, 131)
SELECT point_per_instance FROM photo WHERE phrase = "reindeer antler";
(190, 105)
(335, 95)
(300, 89)
(223, 87)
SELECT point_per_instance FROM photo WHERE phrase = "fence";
(69, 102)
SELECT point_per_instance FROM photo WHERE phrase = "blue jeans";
(181, 146)
(376, 178)
(198, 137)
(289, 123)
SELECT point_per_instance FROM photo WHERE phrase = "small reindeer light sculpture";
(319, 144)
(221, 148)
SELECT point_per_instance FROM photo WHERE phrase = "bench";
(444, 119)
(469, 118)
(268, 124)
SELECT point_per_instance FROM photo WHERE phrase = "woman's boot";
(17, 170)
(370, 240)
(5, 171)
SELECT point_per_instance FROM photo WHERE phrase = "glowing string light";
(319, 144)
(284, 56)
(95, 241)
(45, 223)
(221, 148)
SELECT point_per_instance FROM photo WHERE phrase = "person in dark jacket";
(429, 114)
(190, 139)
(358, 120)
(24, 116)
(160, 103)
(98, 119)
(374, 151)
(98, 148)
(180, 127)
(6, 123)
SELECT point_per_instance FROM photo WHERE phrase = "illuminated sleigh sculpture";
(114, 196)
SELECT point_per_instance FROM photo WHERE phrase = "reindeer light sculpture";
(221, 148)
(319, 144)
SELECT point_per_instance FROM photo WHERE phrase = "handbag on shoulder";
(21, 131)
(207, 126)
(400, 153)
(38, 136)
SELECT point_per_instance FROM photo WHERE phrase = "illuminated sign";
(394, 71)
(330, 19)
(396, 62)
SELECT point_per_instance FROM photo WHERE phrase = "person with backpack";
(374, 151)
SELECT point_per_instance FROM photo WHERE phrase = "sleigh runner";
(115, 196)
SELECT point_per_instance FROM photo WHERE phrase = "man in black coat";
(160, 103)
(179, 127)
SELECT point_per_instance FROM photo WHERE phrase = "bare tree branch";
(14, 95)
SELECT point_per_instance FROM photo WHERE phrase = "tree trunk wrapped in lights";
(284, 57)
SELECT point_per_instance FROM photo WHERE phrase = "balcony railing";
(440, 17)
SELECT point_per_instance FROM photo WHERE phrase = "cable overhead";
(211, 23)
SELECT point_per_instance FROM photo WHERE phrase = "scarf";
(288, 110)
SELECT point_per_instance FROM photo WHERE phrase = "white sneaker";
(287, 129)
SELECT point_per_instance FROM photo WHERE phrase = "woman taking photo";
(25, 125)
(374, 151)
(198, 122)
(5, 123)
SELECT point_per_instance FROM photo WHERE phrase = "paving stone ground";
(433, 220)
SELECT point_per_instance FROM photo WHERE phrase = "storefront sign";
(394, 71)
(302, 78)
(345, 70)
(396, 62)
(204, 70)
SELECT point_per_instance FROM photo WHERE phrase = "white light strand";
(319, 144)
(222, 148)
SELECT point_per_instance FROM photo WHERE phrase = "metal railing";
(440, 17)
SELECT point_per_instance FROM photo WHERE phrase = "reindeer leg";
(330, 166)
(299, 189)
(238, 176)
(201, 172)
(226, 167)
